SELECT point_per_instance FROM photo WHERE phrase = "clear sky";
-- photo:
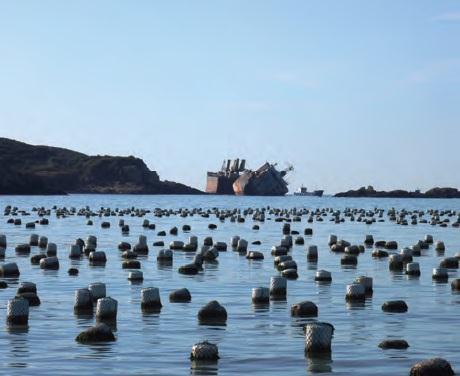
(350, 92)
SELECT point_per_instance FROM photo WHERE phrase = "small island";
(400, 193)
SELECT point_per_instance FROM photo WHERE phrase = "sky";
(350, 93)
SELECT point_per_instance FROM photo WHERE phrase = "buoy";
(318, 337)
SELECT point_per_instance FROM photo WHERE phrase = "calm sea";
(254, 341)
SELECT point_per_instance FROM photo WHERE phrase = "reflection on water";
(18, 346)
(204, 368)
(319, 363)
(97, 351)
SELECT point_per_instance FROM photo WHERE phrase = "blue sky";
(350, 92)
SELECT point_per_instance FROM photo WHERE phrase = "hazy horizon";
(350, 93)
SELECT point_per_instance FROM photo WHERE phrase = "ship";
(235, 179)
(302, 191)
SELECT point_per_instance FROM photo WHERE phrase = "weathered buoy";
(413, 269)
(106, 309)
(398, 306)
(98, 290)
(349, 260)
(97, 257)
(290, 273)
(398, 344)
(204, 351)
(367, 282)
(440, 274)
(455, 285)
(439, 246)
(180, 296)
(304, 309)
(150, 299)
(136, 276)
(35, 259)
(332, 240)
(165, 255)
(131, 264)
(242, 246)
(33, 239)
(406, 254)
(312, 253)
(141, 247)
(189, 269)
(278, 287)
(51, 249)
(318, 337)
(212, 313)
(17, 311)
(260, 295)
(234, 241)
(42, 242)
(355, 293)
(323, 276)
(75, 252)
(449, 263)
(369, 240)
(49, 263)
(255, 255)
(432, 367)
(395, 263)
(83, 301)
(98, 333)
(428, 239)
(22, 249)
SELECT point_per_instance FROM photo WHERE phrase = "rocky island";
(29, 169)
(399, 193)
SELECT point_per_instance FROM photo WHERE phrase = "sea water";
(257, 341)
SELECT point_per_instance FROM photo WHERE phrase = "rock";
(432, 367)
(99, 333)
(73, 271)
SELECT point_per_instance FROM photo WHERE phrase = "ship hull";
(219, 184)
(311, 194)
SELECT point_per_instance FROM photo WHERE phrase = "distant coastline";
(436, 192)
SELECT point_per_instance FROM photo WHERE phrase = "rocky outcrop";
(29, 169)
(399, 193)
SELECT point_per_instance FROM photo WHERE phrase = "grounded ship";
(302, 191)
(235, 179)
